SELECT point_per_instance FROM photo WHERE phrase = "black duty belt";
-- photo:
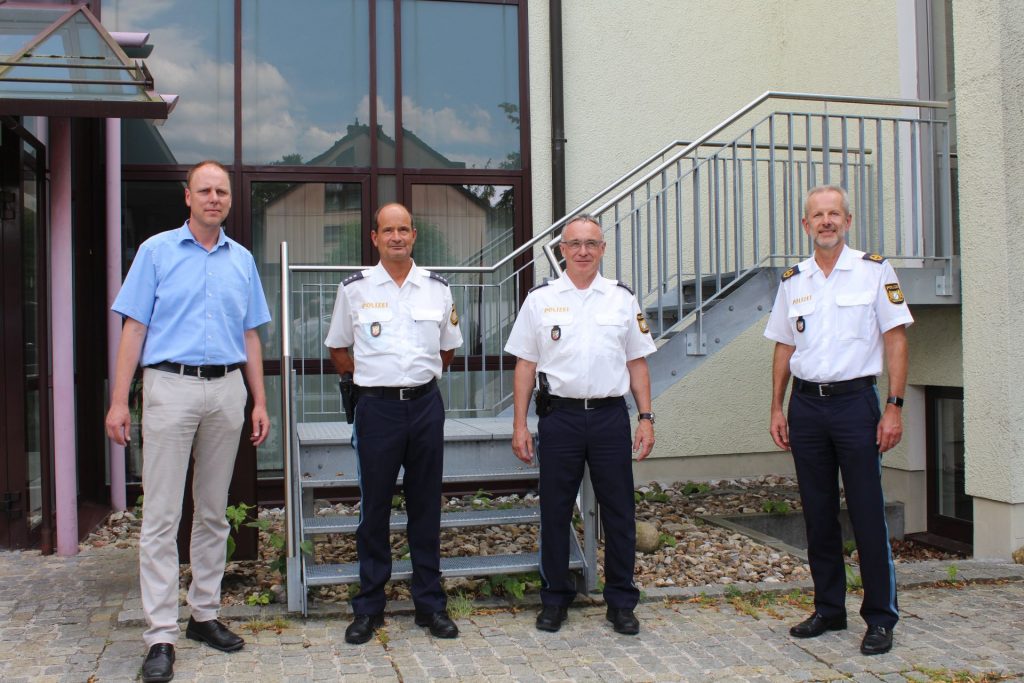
(585, 403)
(398, 393)
(200, 371)
(826, 389)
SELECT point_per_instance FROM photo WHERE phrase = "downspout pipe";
(118, 495)
(557, 112)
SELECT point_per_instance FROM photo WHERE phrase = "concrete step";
(332, 574)
(476, 449)
(346, 524)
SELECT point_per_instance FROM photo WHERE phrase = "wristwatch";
(895, 400)
(645, 416)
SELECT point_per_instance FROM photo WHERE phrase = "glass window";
(949, 460)
(322, 223)
(385, 24)
(306, 98)
(193, 56)
(460, 81)
(149, 207)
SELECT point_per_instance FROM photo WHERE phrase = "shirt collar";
(600, 284)
(845, 262)
(379, 276)
(185, 234)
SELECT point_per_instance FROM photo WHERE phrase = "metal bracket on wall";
(696, 344)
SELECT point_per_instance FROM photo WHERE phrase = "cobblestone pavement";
(77, 619)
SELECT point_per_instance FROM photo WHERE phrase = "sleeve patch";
(454, 317)
(626, 287)
(439, 278)
(874, 258)
(790, 272)
(642, 323)
(894, 293)
(354, 277)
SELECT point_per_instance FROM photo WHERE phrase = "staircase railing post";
(293, 560)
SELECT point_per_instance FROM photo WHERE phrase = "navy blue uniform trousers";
(389, 434)
(827, 436)
(569, 439)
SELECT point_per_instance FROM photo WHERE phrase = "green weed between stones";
(948, 676)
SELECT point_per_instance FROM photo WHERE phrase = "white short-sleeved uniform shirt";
(581, 339)
(397, 333)
(836, 323)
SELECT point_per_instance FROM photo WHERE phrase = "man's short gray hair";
(818, 189)
(585, 217)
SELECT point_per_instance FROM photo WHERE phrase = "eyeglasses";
(574, 245)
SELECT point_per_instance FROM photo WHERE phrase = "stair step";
(346, 524)
(330, 574)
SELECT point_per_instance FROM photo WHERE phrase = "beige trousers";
(185, 417)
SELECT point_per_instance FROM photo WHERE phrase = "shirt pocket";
(377, 325)
(611, 333)
(854, 319)
(555, 326)
(427, 322)
(798, 315)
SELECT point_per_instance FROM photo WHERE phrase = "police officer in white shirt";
(403, 329)
(835, 316)
(586, 335)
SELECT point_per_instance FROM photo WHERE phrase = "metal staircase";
(700, 230)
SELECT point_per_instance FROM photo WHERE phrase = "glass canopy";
(60, 61)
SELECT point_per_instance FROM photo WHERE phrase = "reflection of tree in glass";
(293, 159)
(431, 246)
(342, 244)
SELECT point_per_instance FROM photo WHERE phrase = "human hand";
(890, 428)
(522, 444)
(260, 425)
(119, 423)
(643, 442)
(779, 429)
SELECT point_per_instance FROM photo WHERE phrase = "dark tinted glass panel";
(462, 225)
(306, 71)
(149, 207)
(460, 81)
(30, 328)
(386, 82)
(193, 56)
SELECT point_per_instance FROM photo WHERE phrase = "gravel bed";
(686, 551)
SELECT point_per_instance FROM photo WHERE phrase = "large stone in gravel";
(647, 537)
(1018, 555)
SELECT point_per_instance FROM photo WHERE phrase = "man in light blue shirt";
(192, 301)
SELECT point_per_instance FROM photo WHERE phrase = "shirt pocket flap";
(855, 299)
(802, 308)
(374, 315)
(433, 315)
(549, 318)
(608, 319)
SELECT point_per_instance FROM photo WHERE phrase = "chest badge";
(556, 333)
(454, 317)
(642, 323)
(375, 330)
(894, 293)
(800, 324)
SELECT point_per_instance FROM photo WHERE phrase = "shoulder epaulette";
(626, 287)
(874, 258)
(352, 278)
(435, 276)
(790, 272)
(543, 284)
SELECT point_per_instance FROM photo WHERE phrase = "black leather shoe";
(214, 634)
(159, 664)
(362, 627)
(877, 641)
(815, 625)
(441, 625)
(551, 618)
(623, 620)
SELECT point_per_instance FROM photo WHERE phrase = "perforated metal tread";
(346, 524)
(330, 574)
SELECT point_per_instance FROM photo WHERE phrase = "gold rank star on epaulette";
(790, 272)
(874, 258)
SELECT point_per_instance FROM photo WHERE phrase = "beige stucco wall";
(640, 75)
(989, 47)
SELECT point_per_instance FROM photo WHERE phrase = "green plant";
(510, 585)
(277, 541)
(397, 501)
(482, 498)
(460, 605)
(776, 507)
(236, 515)
(260, 598)
(667, 540)
(953, 572)
(138, 505)
(853, 580)
(848, 547)
(691, 487)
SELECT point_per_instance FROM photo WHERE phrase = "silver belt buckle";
(199, 372)
(401, 393)
(586, 404)
(822, 392)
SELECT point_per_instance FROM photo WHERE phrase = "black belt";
(398, 393)
(826, 389)
(585, 403)
(200, 371)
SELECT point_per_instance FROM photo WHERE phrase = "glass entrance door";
(24, 423)
(950, 509)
